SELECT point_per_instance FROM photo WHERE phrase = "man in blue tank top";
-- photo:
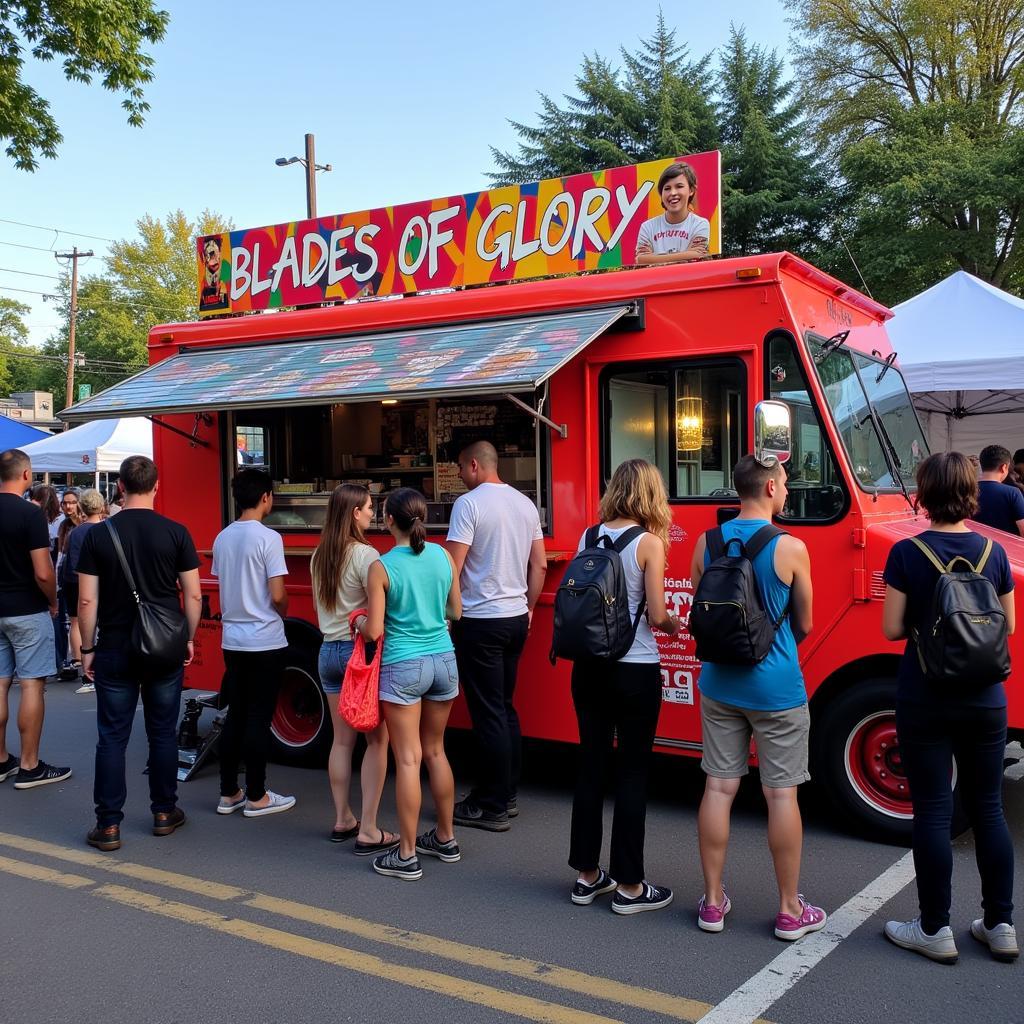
(767, 701)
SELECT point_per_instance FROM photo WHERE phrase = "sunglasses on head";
(767, 461)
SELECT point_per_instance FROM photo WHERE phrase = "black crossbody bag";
(159, 637)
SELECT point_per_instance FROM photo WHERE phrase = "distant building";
(34, 408)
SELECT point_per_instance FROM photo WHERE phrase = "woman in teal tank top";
(412, 592)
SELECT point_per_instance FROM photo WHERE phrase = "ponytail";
(408, 508)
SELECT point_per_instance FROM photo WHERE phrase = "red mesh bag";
(359, 702)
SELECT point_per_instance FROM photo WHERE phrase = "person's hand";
(700, 242)
(87, 669)
(359, 623)
(191, 653)
(53, 611)
(645, 248)
(529, 619)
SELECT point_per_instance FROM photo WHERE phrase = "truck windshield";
(854, 386)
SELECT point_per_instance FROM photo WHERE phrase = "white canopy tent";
(96, 447)
(961, 349)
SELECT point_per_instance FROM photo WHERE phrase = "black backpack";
(592, 617)
(728, 619)
(964, 638)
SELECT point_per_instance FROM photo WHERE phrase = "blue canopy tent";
(16, 435)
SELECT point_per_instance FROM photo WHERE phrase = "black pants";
(251, 686)
(930, 735)
(613, 700)
(488, 651)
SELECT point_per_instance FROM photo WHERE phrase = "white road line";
(773, 981)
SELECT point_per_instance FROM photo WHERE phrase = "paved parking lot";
(235, 919)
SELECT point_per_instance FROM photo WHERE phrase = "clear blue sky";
(404, 103)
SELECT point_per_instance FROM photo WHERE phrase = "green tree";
(20, 367)
(149, 279)
(102, 39)
(921, 105)
(774, 194)
(656, 105)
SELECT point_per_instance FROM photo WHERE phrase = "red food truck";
(568, 377)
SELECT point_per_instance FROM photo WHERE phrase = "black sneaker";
(8, 768)
(652, 897)
(584, 894)
(42, 775)
(513, 808)
(468, 814)
(392, 864)
(429, 845)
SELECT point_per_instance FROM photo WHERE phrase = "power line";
(21, 245)
(100, 365)
(58, 231)
(30, 273)
(90, 302)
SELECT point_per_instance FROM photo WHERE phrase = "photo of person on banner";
(214, 294)
(679, 234)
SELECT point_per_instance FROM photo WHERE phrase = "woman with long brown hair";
(621, 699)
(340, 569)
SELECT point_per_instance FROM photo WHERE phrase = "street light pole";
(310, 178)
(74, 256)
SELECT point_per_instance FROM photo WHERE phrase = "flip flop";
(342, 835)
(368, 849)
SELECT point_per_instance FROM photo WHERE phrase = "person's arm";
(645, 259)
(461, 531)
(371, 625)
(88, 595)
(651, 559)
(458, 551)
(453, 606)
(1006, 600)
(278, 595)
(894, 614)
(536, 574)
(46, 578)
(192, 593)
(697, 564)
(797, 562)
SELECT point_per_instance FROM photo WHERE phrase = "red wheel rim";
(874, 767)
(300, 711)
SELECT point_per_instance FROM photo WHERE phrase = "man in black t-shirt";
(999, 505)
(162, 558)
(28, 601)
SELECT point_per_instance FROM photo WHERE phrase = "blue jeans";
(930, 736)
(118, 686)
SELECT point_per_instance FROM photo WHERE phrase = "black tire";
(855, 759)
(301, 732)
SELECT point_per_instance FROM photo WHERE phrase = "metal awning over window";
(427, 362)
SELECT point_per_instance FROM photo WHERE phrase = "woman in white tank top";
(622, 699)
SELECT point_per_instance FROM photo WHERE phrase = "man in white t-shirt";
(248, 561)
(679, 234)
(497, 545)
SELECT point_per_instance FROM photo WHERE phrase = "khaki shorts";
(780, 736)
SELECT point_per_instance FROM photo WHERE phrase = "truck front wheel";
(856, 757)
(301, 730)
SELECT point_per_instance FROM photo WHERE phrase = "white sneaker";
(940, 947)
(1001, 940)
(86, 688)
(277, 804)
(228, 806)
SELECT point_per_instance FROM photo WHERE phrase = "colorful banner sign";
(556, 226)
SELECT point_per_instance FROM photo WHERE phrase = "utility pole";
(74, 256)
(310, 178)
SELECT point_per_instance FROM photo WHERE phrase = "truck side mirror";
(773, 431)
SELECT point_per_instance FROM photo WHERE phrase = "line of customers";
(411, 594)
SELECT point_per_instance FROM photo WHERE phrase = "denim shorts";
(334, 655)
(27, 646)
(432, 677)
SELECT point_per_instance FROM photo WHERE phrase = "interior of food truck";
(385, 444)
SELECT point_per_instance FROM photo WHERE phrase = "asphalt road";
(240, 920)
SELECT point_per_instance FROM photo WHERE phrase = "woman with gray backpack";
(949, 594)
(616, 680)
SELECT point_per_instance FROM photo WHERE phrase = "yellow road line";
(446, 985)
(593, 986)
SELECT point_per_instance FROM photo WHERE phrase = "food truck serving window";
(385, 445)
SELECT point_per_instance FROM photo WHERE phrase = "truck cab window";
(816, 492)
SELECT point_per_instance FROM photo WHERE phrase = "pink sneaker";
(790, 928)
(711, 918)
